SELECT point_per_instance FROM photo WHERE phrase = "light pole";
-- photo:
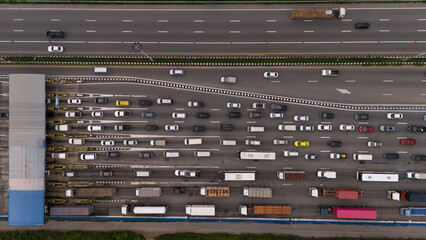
(418, 55)
(137, 47)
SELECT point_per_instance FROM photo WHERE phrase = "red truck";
(346, 212)
(338, 193)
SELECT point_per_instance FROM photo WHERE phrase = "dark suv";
(416, 157)
(55, 34)
(145, 103)
(225, 127)
(255, 114)
(234, 115)
(278, 107)
(326, 115)
(202, 115)
(112, 154)
(416, 128)
(146, 154)
(334, 143)
(101, 100)
(391, 156)
(151, 127)
(198, 128)
(362, 25)
(361, 116)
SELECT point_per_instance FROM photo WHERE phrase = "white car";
(270, 75)
(74, 101)
(325, 127)
(346, 127)
(374, 144)
(288, 153)
(179, 115)
(306, 128)
(301, 118)
(276, 115)
(122, 113)
(93, 128)
(171, 127)
(88, 156)
(252, 142)
(174, 72)
(233, 105)
(72, 114)
(187, 173)
(130, 142)
(107, 142)
(55, 49)
(280, 141)
(394, 115)
(195, 104)
(97, 114)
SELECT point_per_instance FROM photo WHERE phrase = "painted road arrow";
(344, 91)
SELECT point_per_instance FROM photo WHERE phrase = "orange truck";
(265, 210)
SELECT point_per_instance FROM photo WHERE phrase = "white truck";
(238, 175)
(416, 175)
(327, 174)
(257, 192)
(200, 210)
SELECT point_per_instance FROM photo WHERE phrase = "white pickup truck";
(329, 73)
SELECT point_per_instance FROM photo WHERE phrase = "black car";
(122, 127)
(416, 157)
(361, 116)
(112, 154)
(202, 115)
(234, 115)
(151, 127)
(146, 155)
(311, 156)
(225, 127)
(278, 107)
(416, 128)
(145, 103)
(198, 128)
(334, 143)
(55, 34)
(325, 115)
(101, 100)
(391, 156)
(362, 25)
(255, 114)
(4, 114)
(387, 128)
(147, 114)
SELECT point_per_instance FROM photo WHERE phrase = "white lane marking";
(251, 167)
(388, 81)
(308, 20)
(251, 122)
(363, 137)
(271, 20)
(271, 31)
(18, 30)
(402, 123)
(421, 19)
(423, 81)
(325, 122)
(324, 137)
(90, 30)
(163, 31)
(198, 31)
(275, 81)
(401, 137)
(287, 122)
(288, 184)
(422, 94)
(55, 20)
(198, 21)
(421, 30)
(350, 81)
(385, 30)
(179, 121)
(215, 109)
(384, 19)
(163, 20)
(126, 31)
(234, 20)
(363, 122)
(387, 94)
(308, 31)
(363, 151)
(126, 20)
(251, 136)
(287, 136)
(18, 19)
(344, 31)
(325, 151)
(402, 152)
(214, 121)
(312, 81)
(179, 109)
(234, 31)
(90, 20)
(346, 20)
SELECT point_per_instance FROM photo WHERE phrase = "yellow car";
(301, 144)
(122, 103)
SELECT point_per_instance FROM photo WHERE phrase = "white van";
(193, 141)
(142, 173)
(363, 156)
(283, 127)
(228, 79)
(176, 72)
(255, 129)
(199, 153)
(159, 142)
(168, 154)
(224, 142)
(59, 155)
(100, 70)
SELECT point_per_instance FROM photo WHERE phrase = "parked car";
(301, 118)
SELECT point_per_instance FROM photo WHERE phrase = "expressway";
(225, 157)
(212, 30)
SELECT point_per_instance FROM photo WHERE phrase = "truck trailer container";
(200, 210)
(91, 192)
(291, 175)
(80, 210)
(148, 192)
(257, 192)
(265, 210)
(318, 13)
(338, 193)
(345, 212)
(214, 191)
(413, 211)
(416, 175)
(238, 175)
(409, 196)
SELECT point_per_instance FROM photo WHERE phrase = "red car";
(366, 129)
(408, 142)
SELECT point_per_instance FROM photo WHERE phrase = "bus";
(150, 210)
(377, 176)
(238, 175)
(256, 155)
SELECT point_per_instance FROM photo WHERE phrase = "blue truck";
(413, 211)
